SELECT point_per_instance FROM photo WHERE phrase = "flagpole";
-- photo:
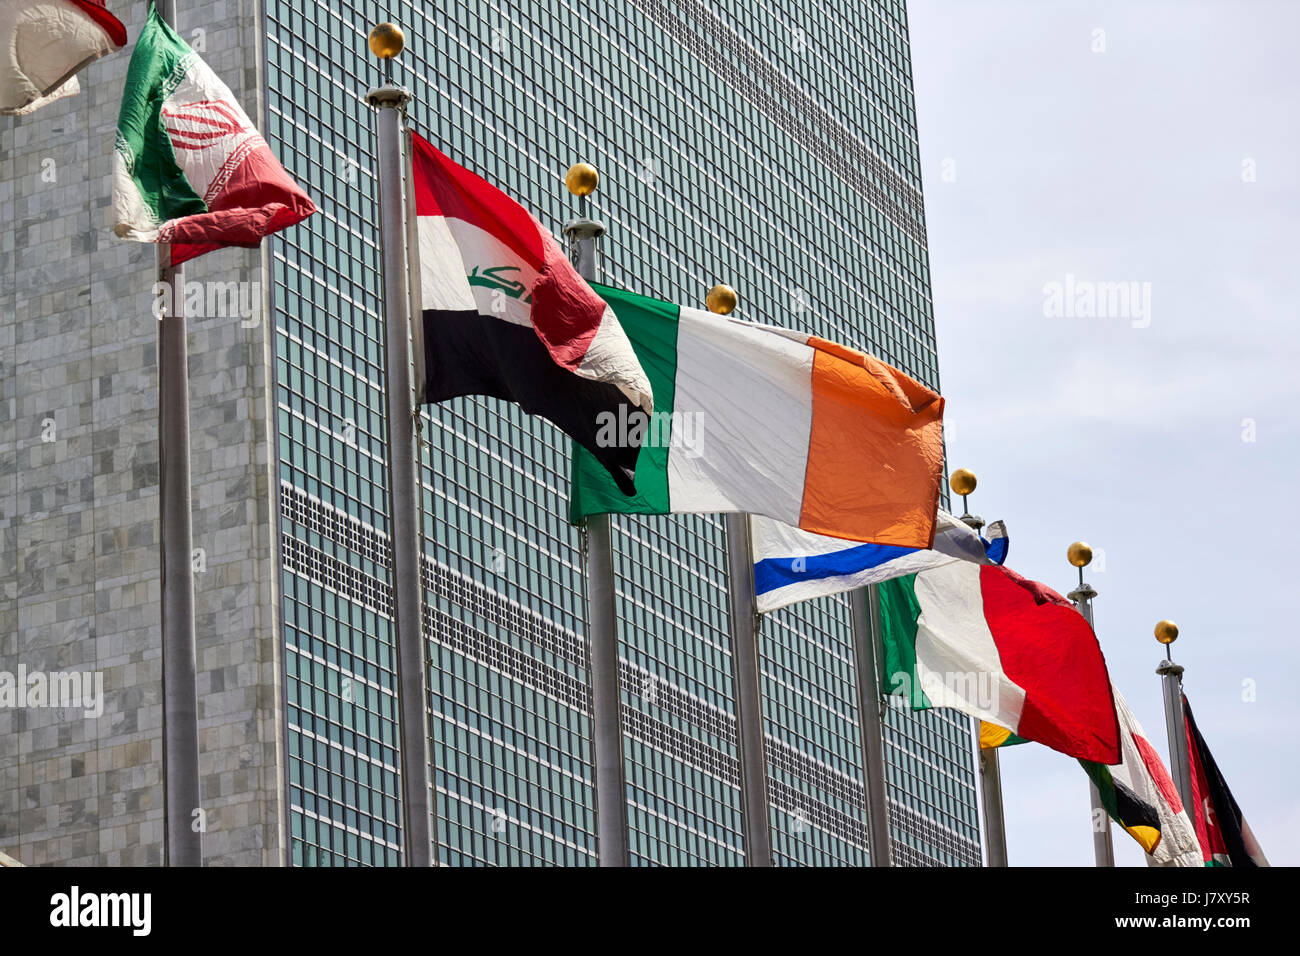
(1171, 680)
(963, 482)
(183, 844)
(864, 608)
(405, 524)
(747, 692)
(1103, 847)
(746, 685)
(612, 846)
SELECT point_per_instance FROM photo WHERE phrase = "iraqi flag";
(190, 168)
(504, 313)
(44, 43)
(983, 640)
(1140, 796)
(792, 565)
(1222, 831)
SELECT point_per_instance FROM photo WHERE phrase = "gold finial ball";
(582, 179)
(722, 299)
(387, 40)
(962, 481)
(1166, 632)
(1080, 554)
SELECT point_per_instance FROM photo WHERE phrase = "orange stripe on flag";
(875, 455)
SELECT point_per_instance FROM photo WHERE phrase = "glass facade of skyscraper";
(769, 146)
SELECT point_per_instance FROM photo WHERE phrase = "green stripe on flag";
(899, 612)
(158, 65)
(651, 326)
(1100, 775)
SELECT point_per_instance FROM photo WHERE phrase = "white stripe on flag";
(781, 548)
(957, 659)
(750, 395)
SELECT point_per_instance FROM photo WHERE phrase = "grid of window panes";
(770, 147)
(342, 763)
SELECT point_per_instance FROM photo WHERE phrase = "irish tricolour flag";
(190, 168)
(981, 639)
(759, 419)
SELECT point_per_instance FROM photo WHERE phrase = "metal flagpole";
(1171, 680)
(964, 482)
(183, 844)
(405, 524)
(747, 688)
(1103, 848)
(602, 620)
(864, 606)
(747, 692)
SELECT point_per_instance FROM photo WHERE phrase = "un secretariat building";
(771, 147)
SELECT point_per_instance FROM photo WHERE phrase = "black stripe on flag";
(1133, 811)
(466, 353)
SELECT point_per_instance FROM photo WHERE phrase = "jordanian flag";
(983, 640)
(504, 313)
(758, 419)
(45, 43)
(1222, 831)
(190, 169)
(1140, 796)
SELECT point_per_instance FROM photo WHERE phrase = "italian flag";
(45, 43)
(983, 640)
(503, 312)
(1140, 796)
(759, 419)
(190, 168)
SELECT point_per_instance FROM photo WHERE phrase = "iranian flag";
(503, 312)
(768, 421)
(1140, 796)
(45, 43)
(983, 640)
(190, 168)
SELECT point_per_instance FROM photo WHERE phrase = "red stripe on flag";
(1159, 775)
(565, 313)
(97, 11)
(1048, 649)
(260, 198)
(443, 188)
(1208, 833)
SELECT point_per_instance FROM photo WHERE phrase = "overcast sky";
(1153, 143)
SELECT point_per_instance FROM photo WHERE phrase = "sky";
(1154, 144)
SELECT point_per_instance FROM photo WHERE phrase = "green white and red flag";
(191, 169)
(1012, 652)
